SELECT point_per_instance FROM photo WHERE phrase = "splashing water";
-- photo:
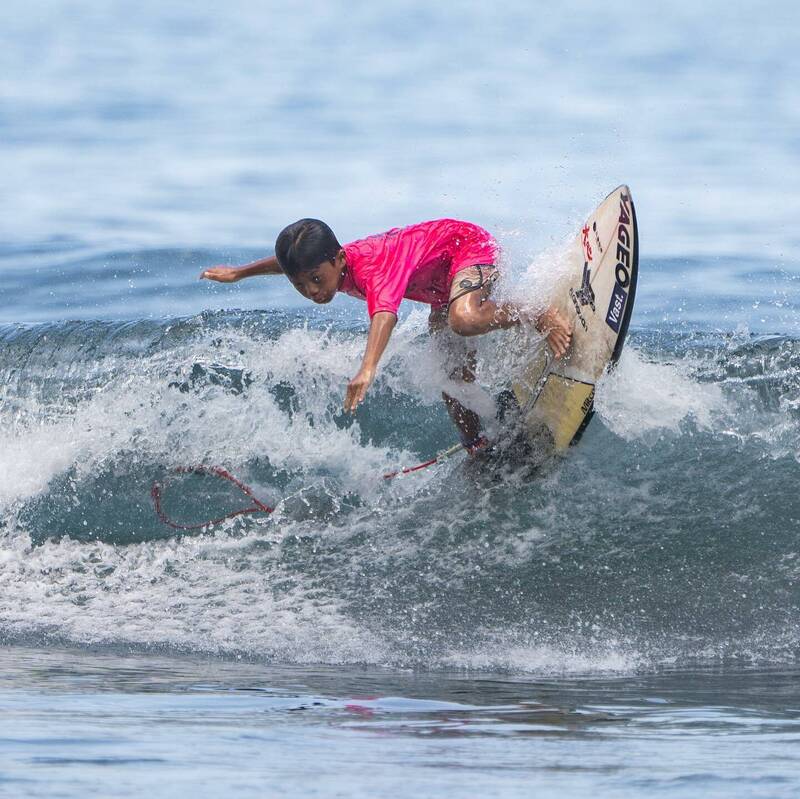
(659, 536)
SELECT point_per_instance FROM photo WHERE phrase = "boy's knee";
(464, 323)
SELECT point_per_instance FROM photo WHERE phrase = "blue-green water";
(98, 724)
(624, 624)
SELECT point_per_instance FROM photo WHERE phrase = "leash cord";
(257, 506)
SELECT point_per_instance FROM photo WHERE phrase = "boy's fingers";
(559, 343)
(356, 393)
(350, 402)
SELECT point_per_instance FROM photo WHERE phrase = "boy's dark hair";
(304, 245)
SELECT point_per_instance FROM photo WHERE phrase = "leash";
(257, 506)
(215, 471)
(442, 456)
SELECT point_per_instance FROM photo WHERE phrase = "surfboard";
(595, 291)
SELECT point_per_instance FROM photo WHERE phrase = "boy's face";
(321, 283)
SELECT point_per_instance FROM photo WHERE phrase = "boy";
(446, 263)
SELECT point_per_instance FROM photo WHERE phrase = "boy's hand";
(357, 388)
(555, 327)
(380, 328)
(222, 274)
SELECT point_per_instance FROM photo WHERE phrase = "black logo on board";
(585, 294)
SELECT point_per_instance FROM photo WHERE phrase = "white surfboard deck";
(596, 294)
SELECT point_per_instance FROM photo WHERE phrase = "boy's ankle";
(475, 444)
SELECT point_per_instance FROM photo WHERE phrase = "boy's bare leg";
(475, 313)
(468, 422)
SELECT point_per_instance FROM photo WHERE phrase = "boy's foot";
(477, 445)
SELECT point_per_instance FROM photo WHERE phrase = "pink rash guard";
(417, 262)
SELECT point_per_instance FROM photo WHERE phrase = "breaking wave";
(669, 533)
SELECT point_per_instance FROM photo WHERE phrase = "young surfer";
(447, 264)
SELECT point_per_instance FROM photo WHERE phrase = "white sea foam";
(319, 581)
(202, 594)
(642, 395)
(137, 411)
(548, 659)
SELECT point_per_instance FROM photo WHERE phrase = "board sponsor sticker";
(587, 247)
(616, 307)
(597, 237)
(619, 295)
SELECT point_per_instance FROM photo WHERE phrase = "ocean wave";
(669, 531)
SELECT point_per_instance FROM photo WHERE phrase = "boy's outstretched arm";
(230, 274)
(380, 328)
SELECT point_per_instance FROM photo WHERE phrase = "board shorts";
(458, 350)
(472, 278)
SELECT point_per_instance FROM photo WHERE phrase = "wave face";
(669, 532)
